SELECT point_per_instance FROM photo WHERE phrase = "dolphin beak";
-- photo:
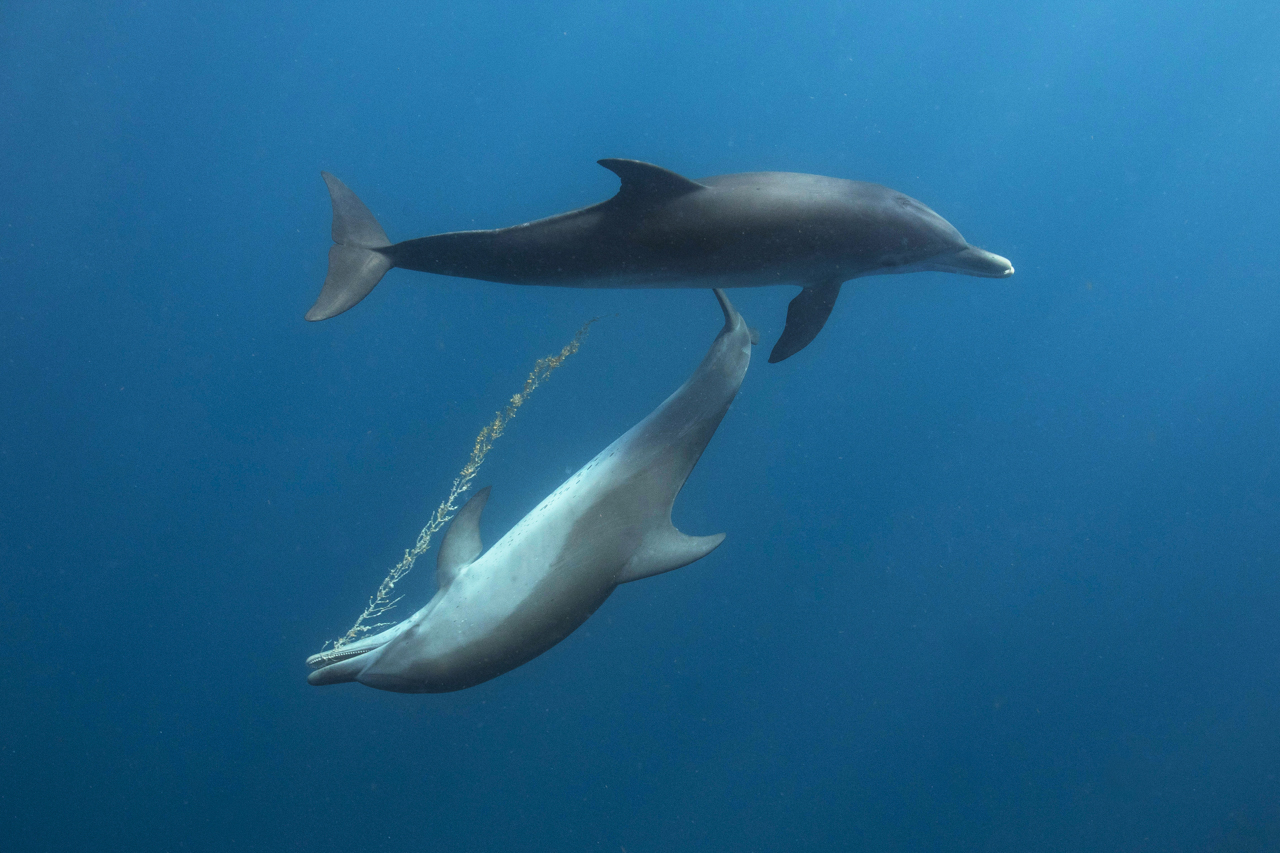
(346, 663)
(973, 261)
(340, 672)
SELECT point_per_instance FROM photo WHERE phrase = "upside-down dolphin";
(664, 230)
(608, 524)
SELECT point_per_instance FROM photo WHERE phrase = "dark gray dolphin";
(664, 230)
(608, 524)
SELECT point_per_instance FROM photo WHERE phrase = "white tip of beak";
(974, 261)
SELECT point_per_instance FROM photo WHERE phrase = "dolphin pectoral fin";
(461, 544)
(645, 183)
(355, 264)
(666, 551)
(806, 316)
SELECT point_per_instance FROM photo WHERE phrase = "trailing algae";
(383, 600)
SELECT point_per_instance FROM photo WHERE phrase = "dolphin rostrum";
(664, 230)
(608, 524)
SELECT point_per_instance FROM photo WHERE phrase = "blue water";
(1003, 559)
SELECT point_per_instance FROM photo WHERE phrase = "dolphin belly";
(449, 652)
(533, 588)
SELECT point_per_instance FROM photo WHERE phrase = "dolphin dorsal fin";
(665, 551)
(645, 183)
(461, 544)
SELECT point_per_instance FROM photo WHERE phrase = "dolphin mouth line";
(323, 659)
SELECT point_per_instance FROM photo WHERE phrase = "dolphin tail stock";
(355, 262)
(685, 422)
(731, 316)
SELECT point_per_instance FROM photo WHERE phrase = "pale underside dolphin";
(608, 524)
(664, 230)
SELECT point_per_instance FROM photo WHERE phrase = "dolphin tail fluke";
(355, 262)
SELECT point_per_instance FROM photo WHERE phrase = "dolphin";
(664, 230)
(608, 524)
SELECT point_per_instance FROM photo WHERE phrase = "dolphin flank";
(663, 230)
(608, 524)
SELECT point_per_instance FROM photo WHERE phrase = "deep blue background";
(1003, 558)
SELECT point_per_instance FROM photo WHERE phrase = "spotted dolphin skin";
(608, 524)
(664, 230)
